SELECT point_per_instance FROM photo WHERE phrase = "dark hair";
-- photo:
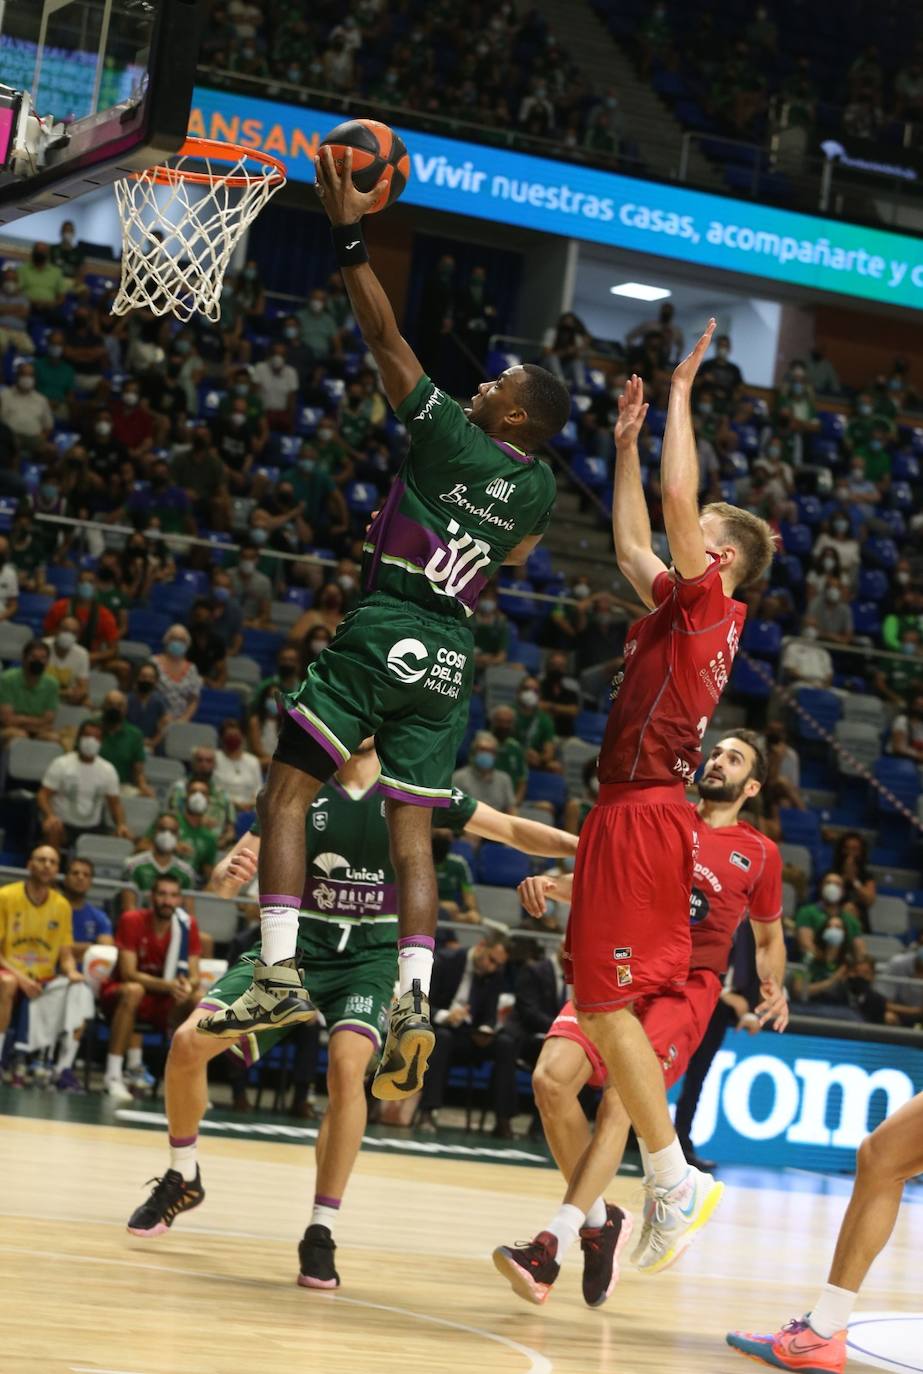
(760, 766)
(32, 644)
(229, 723)
(845, 949)
(546, 401)
(839, 851)
(82, 859)
(492, 937)
(165, 878)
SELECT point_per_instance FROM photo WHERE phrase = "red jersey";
(677, 663)
(105, 629)
(738, 873)
(136, 931)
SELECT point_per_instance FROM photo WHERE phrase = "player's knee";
(187, 1048)
(551, 1092)
(131, 994)
(876, 1160)
(345, 1077)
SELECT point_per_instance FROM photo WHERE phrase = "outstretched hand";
(343, 203)
(687, 369)
(632, 412)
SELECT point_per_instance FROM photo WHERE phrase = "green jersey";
(351, 887)
(459, 506)
(142, 872)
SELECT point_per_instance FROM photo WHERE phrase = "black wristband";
(349, 245)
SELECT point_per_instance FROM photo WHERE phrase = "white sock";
(415, 961)
(67, 1052)
(669, 1165)
(566, 1227)
(114, 1066)
(325, 1215)
(832, 1311)
(646, 1164)
(279, 927)
(183, 1158)
(596, 1216)
(133, 1058)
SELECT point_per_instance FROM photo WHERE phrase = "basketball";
(378, 154)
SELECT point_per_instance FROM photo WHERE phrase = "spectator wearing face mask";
(328, 610)
(906, 740)
(179, 681)
(795, 397)
(831, 613)
(535, 727)
(831, 902)
(899, 678)
(197, 844)
(905, 975)
(236, 441)
(278, 384)
(146, 708)
(313, 645)
(297, 354)
(850, 861)
(823, 980)
(26, 411)
(251, 588)
(42, 283)
(227, 620)
(55, 377)
(324, 513)
(69, 662)
(511, 757)
(69, 256)
(237, 771)
(838, 535)
(99, 633)
(123, 746)
(78, 788)
(319, 329)
(491, 632)
(28, 697)
(9, 582)
(132, 422)
(85, 349)
(805, 662)
(721, 372)
(14, 313)
(286, 677)
(220, 816)
(482, 779)
(156, 857)
(334, 456)
(559, 697)
(824, 564)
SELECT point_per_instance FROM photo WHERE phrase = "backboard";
(91, 91)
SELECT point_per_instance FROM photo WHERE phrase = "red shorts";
(675, 1022)
(628, 934)
(154, 1007)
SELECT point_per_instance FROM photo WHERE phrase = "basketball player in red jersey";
(628, 934)
(738, 873)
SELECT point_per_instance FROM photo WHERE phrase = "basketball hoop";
(181, 222)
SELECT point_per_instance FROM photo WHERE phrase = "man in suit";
(465, 994)
(540, 995)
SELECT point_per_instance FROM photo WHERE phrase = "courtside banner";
(596, 206)
(800, 1101)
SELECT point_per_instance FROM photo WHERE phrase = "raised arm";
(679, 468)
(531, 837)
(398, 364)
(631, 525)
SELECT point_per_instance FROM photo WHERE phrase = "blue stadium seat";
(148, 626)
(289, 447)
(592, 472)
(797, 539)
(245, 820)
(549, 787)
(308, 418)
(873, 584)
(832, 424)
(824, 707)
(216, 705)
(762, 637)
(748, 681)
(901, 777)
(810, 511)
(825, 451)
(300, 596)
(263, 645)
(538, 566)
(500, 866)
(894, 519)
(362, 497)
(905, 467)
(800, 827)
(567, 440)
(64, 580)
(866, 617)
(901, 496)
(591, 726)
(33, 607)
(518, 607)
(529, 655)
(882, 552)
(656, 422)
(463, 847)
(171, 598)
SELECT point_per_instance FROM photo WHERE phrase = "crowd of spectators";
(181, 518)
(499, 67)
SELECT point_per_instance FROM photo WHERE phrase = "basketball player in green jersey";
(468, 499)
(347, 947)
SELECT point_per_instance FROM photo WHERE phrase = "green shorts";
(402, 675)
(351, 993)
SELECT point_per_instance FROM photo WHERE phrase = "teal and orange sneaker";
(796, 1346)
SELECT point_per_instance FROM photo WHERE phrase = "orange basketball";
(378, 155)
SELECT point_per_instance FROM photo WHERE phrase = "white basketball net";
(179, 235)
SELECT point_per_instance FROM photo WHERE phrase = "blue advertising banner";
(800, 1101)
(598, 207)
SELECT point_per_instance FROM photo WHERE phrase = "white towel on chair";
(177, 960)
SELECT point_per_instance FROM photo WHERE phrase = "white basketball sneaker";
(672, 1216)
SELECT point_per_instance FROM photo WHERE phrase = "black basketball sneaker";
(170, 1196)
(315, 1259)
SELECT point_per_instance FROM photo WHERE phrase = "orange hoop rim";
(165, 175)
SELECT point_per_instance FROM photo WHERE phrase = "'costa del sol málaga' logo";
(403, 657)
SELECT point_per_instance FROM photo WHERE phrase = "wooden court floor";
(217, 1294)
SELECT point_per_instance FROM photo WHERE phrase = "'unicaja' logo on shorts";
(403, 655)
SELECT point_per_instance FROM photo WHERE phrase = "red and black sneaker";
(601, 1246)
(171, 1195)
(531, 1268)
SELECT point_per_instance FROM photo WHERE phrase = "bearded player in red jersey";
(738, 873)
(628, 934)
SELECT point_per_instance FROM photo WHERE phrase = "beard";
(719, 790)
